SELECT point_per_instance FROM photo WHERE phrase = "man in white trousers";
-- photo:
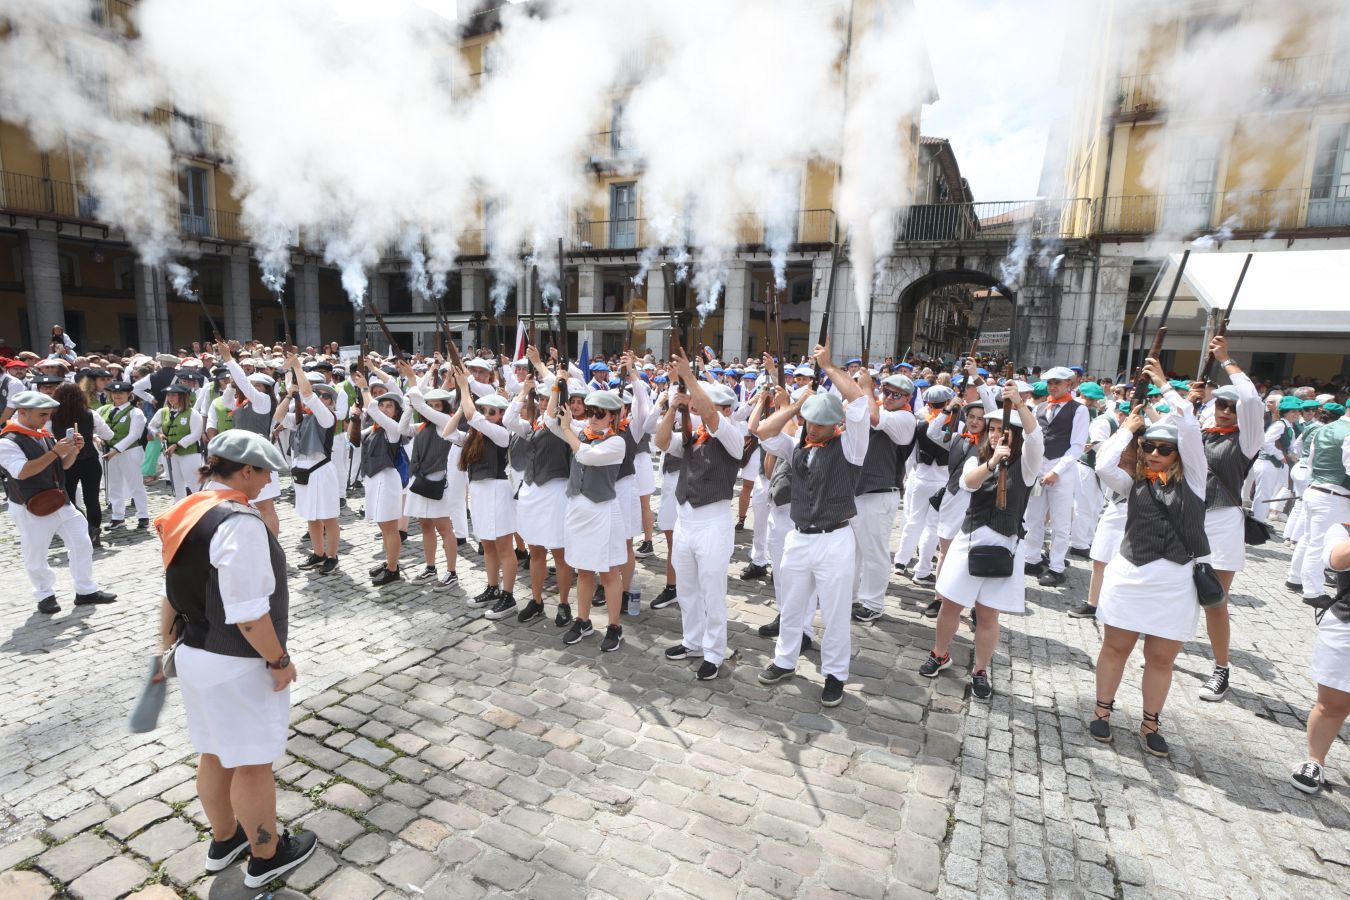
(1065, 425)
(891, 434)
(1088, 498)
(1326, 502)
(124, 456)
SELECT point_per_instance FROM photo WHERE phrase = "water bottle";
(634, 601)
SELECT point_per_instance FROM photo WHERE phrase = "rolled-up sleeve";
(239, 551)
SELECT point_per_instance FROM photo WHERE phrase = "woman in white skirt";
(228, 608)
(541, 504)
(953, 502)
(1149, 589)
(308, 415)
(635, 424)
(989, 525)
(593, 531)
(428, 470)
(1110, 529)
(483, 459)
(181, 429)
(667, 509)
(381, 444)
(1330, 665)
(1231, 445)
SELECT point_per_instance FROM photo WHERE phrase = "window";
(129, 331)
(616, 147)
(1192, 169)
(1329, 201)
(124, 274)
(1203, 28)
(69, 268)
(211, 283)
(192, 200)
(400, 297)
(623, 216)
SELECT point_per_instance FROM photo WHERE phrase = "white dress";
(384, 489)
(415, 506)
(492, 499)
(593, 533)
(1225, 527)
(316, 499)
(1331, 652)
(540, 508)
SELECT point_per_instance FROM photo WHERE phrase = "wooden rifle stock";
(393, 344)
(1001, 493)
(1222, 327)
(1142, 382)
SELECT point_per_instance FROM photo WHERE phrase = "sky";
(996, 63)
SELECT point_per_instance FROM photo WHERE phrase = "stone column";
(473, 298)
(42, 287)
(307, 323)
(657, 340)
(152, 309)
(589, 285)
(238, 323)
(736, 311)
(1108, 320)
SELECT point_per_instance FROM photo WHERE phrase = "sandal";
(1152, 742)
(1100, 726)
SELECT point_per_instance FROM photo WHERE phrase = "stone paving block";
(349, 884)
(24, 848)
(391, 817)
(346, 796)
(164, 840)
(334, 829)
(25, 886)
(501, 870)
(68, 861)
(109, 880)
(409, 869)
(81, 820)
(367, 850)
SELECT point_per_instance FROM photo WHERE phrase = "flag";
(585, 362)
(519, 351)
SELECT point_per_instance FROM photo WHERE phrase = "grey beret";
(604, 400)
(938, 394)
(823, 409)
(438, 394)
(1058, 373)
(238, 445)
(1161, 431)
(316, 378)
(720, 395)
(1227, 392)
(492, 401)
(324, 387)
(900, 383)
(33, 400)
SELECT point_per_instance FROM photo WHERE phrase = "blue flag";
(585, 362)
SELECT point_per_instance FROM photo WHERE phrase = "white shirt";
(135, 429)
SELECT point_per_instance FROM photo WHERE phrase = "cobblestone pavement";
(439, 754)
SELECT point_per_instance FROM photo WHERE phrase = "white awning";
(1285, 291)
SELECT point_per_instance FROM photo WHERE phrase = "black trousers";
(87, 474)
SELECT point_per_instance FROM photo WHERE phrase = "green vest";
(118, 420)
(1324, 462)
(1308, 437)
(224, 416)
(176, 428)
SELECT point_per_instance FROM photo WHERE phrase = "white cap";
(1058, 373)
(720, 395)
(478, 363)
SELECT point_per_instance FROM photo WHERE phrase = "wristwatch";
(1227, 362)
(281, 663)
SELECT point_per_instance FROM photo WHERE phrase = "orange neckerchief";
(1065, 399)
(973, 438)
(934, 412)
(701, 436)
(173, 524)
(11, 425)
(1217, 430)
(1155, 476)
(596, 435)
(623, 424)
(538, 424)
(240, 401)
(810, 444)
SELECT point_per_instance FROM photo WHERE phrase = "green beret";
(1311, 404)
(1335, 409)
(1091, 390)
(238, 445)
(33, 400)
(1180, 384)
(1153, 391)
(1123, 406)
(1040, 389)
(1290, 403)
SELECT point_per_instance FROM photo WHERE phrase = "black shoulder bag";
(1207, 587)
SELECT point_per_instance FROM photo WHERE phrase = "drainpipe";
(1097, 248)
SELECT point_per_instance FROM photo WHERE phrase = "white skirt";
(1110, 532)
(752, 468)
(952, 513)
(668, 509)
(1331, 654)
(1158, 599)
(232, 711)
(593, 535)
(645, 473)
(494, 508)
(516, 479)
(540, 512)
(415, 506)
(1227, 534)
(384, 496)
(959, 586)
(319, 498)
(629, 506)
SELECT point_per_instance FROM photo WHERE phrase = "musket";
(677, 349)
(354, 416)
(563, 373)
(393, 344)
(769, 347)
(778, 335)
(1141, 383)
(825, 319)
(1222, 327)
(950, 425)
(1001, 493)
(627, 341)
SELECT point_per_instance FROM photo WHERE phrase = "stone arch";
(939, 276)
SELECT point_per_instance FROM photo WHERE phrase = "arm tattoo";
(264, 836)
(246, 627)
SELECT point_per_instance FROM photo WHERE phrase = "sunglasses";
(596, 412)
(1163, 450)
(1224, 404)
(894, 395)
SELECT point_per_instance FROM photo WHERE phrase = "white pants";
(183, 471)
(920, 530)
(1321, 510)
(1271, 482)
(1087, 507)
(872, 534)
(35, 537)
(1299, 475)
(759, 507)
(816, 564)
(125, 484)
(1055, 503)
(700, 553)
(347, 468)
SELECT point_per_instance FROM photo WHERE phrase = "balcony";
(615, 234)
(996, 220)
(29, 193)
(607, 152)
(1251, 212)
(210, 223)
(1137, 95)
(115, 15)
(1295, 81)
(190, 135)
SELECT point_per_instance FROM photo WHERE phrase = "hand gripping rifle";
(393, 344)
(824, 331)
(1001, 493)
(1222, 327)
(1142, 381)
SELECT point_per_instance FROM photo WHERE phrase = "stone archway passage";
(924, 286)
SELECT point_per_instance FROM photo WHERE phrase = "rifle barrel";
(1222, 326)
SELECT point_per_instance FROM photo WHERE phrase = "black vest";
(930, 451)
(883, 468)
(159, 380)
(378, 452)
(984, 504)
(1228, 468)
(962, 450)
(1150, 534)
(491, 466)
(1341, 608)
(780, 483)
(197, 599)
(54, 476)
(630, 451)
(822, 489)
(707, 473)
(547, 457)
(1059, 430)
(430, 452)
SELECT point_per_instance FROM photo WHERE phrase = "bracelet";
(1228, 362)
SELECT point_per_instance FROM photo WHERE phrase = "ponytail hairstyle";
(473, 449)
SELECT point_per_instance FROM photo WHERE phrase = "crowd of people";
(996, 474)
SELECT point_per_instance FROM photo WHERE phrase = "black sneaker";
(564, 615)
(1293, 586)
(680, 651)
(599, 598)
(980, 686)
(771, 630)
(142, 524)
(708, 671)
(220, 854)
(532, 611)
(426, 574)
(312, 561)
(934, 664)
(806, 643)
(1035, 568)
(753, 571)
(449, 579)
(486, 598)
(522, 555)
(1308, 777)
(644, 550)
(114, 524)
(386, 576)
(580, 629)
(833, 693)
(1051, 578)
(1084, 610)
(505, 606)
(932, 609)
(902, 570)
(927, 581)
(329, 565)
(376, 569)
(613, 638)
(864, 614)
(48, 606)
(773, 674)
(95, 598)
(740, 524)
(1216, 687)
(1080, 552)
(665, 598)
(291, 852)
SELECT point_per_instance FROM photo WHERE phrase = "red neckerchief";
(1159, 475)
(538, 424)
(810, 444)
(1217, 430)
(701, 436)
(1065, 399)
(11, 425)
